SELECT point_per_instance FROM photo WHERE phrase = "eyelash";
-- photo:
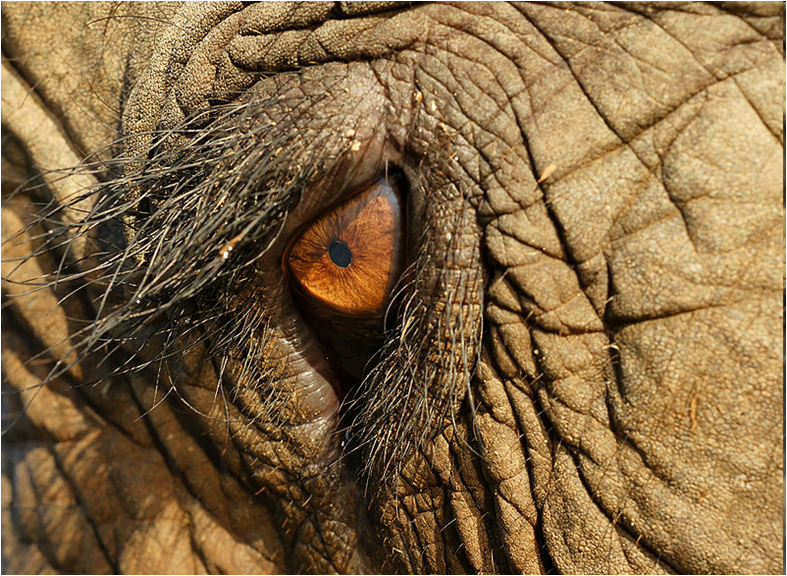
(198, 219)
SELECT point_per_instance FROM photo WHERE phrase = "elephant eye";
(349, 259)
(343, 268)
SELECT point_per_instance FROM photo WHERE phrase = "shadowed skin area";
(582, 371)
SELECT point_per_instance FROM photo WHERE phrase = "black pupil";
(340, 253)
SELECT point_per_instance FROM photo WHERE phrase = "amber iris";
(348, 260)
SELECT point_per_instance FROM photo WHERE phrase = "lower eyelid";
(313, 381)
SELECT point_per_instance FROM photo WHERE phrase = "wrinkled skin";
(596, 212)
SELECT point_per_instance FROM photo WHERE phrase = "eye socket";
(349, 259)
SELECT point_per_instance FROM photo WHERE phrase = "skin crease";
(584, 375)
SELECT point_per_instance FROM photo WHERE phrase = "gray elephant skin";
(579, 363)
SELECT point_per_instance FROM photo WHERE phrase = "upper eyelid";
(342, 169)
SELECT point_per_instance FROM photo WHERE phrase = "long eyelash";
(178, 234)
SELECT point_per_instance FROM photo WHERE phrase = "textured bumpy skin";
(596, 317)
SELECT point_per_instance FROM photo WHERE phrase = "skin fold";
(582, 371)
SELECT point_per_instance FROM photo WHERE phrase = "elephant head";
(372, 287)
